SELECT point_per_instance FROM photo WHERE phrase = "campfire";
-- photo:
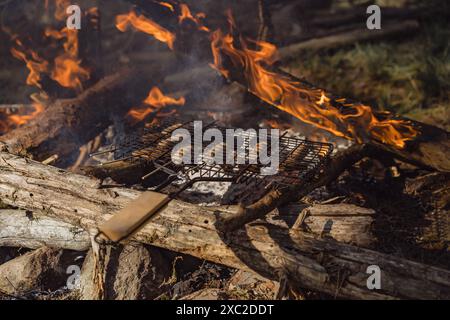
(93, 162)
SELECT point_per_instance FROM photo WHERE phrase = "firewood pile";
(380, 199)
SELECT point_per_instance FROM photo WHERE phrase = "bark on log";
(20, 228)
(134, 272)
(342, 222)
(319, 264)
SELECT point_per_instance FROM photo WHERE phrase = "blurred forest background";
(409, 75)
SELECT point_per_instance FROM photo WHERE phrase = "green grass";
(410, 77)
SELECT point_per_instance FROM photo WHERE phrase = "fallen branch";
(279, 197)
(407, 27)
(271, 250)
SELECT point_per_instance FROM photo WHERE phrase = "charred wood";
(65, 125)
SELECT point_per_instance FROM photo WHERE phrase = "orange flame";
(19, 120)
(145, 25)
(11, 121)
(312, 106)
(167, 5)
(35, 64)
(154, 102)
(67, 70)
(60, 10)
(187, 15)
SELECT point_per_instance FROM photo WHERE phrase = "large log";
(342, 222)
(67, 124)
(20, 228)
(273, 251)
(430, 149)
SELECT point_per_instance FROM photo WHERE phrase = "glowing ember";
(145, 25)
(154, 102)
(19, 120)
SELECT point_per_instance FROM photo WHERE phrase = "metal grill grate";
(299, 160)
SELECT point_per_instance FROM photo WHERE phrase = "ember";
(154, 102)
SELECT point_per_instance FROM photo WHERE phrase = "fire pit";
(161, 125)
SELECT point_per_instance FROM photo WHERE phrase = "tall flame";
(154, 102)
(67, 70)
(145, 25)
(35, 64)
(312, 106)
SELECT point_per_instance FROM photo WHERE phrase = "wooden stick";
(278, 197)
(407, 27)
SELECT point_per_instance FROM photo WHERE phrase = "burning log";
(266, 248)
(424, 145)
(235, 59)
(65, 125)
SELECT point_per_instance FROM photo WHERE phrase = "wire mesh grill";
(299, 159)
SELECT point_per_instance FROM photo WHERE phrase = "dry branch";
(278, 197)
(268, 249)
(349, 37)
